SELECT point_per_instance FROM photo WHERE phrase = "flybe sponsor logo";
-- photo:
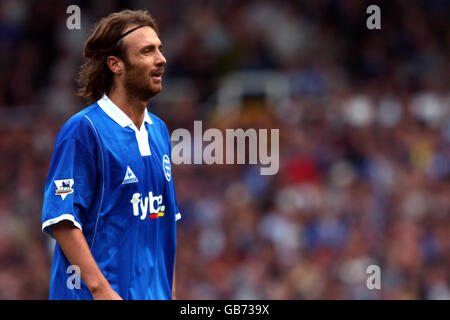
(151, 206)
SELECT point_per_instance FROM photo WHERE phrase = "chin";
(156, 88)
(152, 91)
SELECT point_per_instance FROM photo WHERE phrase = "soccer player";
(109, 197)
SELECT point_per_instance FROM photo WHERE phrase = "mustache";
(158, 71)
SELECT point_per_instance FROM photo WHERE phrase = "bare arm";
(74, 245)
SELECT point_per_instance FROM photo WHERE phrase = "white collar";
(115, 113)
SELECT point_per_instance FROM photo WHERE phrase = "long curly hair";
(95, 77)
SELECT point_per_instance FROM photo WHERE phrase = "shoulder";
(158, 122)
(79, 127)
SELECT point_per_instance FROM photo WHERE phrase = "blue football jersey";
(113, 181)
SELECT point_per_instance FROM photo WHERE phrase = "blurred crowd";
(364, 173)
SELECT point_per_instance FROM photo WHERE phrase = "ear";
(115, 64)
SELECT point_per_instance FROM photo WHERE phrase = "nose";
(160, 59)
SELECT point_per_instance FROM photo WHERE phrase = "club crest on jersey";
(167, 167)
(64, 187)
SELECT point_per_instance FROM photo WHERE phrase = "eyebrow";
(150, 46)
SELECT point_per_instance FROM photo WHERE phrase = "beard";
(139, 83)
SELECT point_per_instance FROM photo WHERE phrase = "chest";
(125, 165)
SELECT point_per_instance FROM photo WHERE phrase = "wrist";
(97, 285)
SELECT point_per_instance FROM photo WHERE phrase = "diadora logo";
(151, 205)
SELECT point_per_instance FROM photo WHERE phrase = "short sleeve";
(70, 185)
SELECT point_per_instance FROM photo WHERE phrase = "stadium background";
(364, 119)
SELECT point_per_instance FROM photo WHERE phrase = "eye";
(148, 50)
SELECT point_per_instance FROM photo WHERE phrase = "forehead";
(141, 37)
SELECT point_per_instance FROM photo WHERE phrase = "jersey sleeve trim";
(66, 216)
(177, 216)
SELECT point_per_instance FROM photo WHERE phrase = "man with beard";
(109, 198)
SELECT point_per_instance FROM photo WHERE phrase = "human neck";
(133, 107)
